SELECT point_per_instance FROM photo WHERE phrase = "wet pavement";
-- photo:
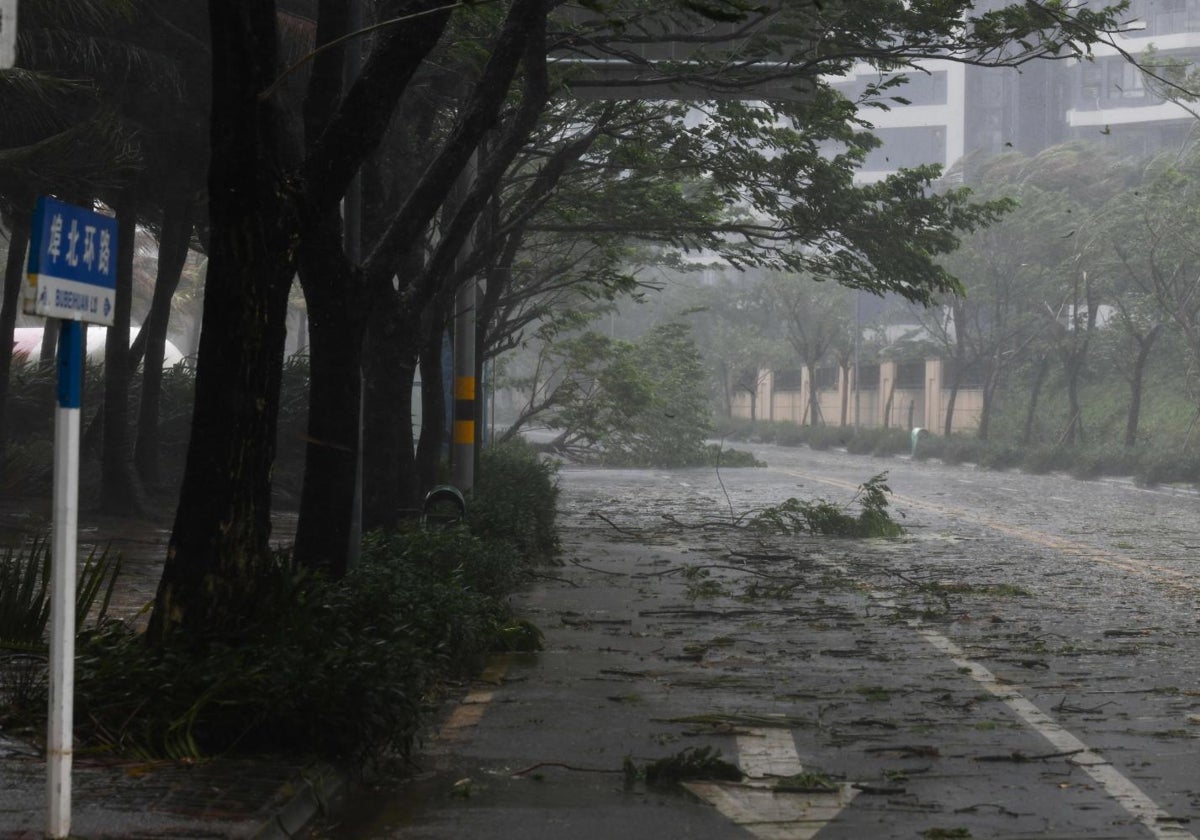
(1024, 663)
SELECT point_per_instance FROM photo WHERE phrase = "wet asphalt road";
(1024, 663)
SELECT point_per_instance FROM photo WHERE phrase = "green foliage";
(821, 517)
(515, 499)
(25, 593)
(730, 458)
(689, 764)
(420, 606)
(633, 403)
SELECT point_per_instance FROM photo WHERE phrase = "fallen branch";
(562, 766)
(1019, 757)
(614, 525)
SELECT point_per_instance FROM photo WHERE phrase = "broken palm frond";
(825, 518)
(691, 764)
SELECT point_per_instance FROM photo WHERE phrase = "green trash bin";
(444, 505)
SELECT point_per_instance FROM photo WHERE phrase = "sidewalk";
(263, 798)
(259, 798)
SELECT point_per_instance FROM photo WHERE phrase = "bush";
(998, 456)
(828, 437)
(731, 458)
(790, 434)
(1045, 459)
(1167, 468)
(515, 499)
(344, 669)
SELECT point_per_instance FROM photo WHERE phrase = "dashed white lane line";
(1130, 797)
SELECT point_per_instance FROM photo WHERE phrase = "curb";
(314, 793)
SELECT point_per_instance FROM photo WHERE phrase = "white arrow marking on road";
(764, 755)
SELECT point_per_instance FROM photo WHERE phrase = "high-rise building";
(957, 110)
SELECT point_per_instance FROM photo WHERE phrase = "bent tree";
(271, 189)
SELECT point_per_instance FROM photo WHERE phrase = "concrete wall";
(904, 407)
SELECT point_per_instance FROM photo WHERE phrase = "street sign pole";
(71, 277)
(59, 743)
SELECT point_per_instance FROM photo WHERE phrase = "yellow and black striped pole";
(462, 456)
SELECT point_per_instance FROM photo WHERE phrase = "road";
(1023, 663)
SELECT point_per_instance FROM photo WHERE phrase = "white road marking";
(764, 755)
(774, 816)
(1144, 809)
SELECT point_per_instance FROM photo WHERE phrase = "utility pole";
(462, 439)
(857, 337)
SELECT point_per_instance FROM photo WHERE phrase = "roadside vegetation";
(419, 610)
(1147, 464)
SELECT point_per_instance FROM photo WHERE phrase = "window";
(910, 376)
(868, 377)
(787, 380)
(906, 147)
(827, 378)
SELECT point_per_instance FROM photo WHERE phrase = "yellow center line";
(1153, 571)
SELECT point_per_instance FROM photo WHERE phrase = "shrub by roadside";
(345, 669)
(1147, 465)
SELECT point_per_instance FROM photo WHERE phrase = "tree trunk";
(814, 405)
(330, 467)
(845, 420)
(1145, 344)
(948, 426)
(119, 489)
(1035, 393)
(172, 253)
(14, 275)
(1074, 431)
(433, 399)
(219, 559)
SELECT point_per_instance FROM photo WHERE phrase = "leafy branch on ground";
(691, 764)
(821, 517)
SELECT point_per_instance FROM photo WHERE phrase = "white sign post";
(72, 275)
(8, 33)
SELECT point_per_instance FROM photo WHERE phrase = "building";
(955, 112)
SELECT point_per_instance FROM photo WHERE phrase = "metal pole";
(62, 579)
(463, 458)
(857, 336)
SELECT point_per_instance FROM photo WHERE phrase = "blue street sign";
(72, 263)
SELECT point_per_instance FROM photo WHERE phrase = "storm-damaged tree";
(1156, 247)
(270, 191)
